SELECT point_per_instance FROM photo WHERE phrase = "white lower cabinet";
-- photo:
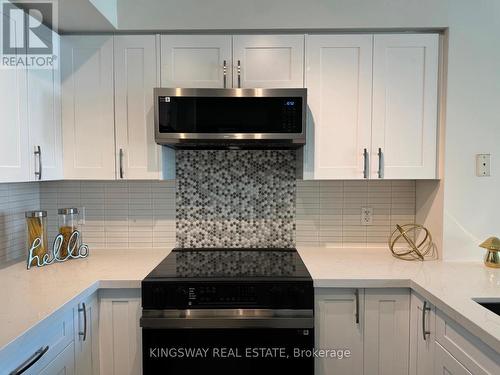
(387, 331)
(446, 364)
(422, 336)
(86, 323)
(472, 353)
(120, 341)
(339, 326)
(63, 364)
(372, 324)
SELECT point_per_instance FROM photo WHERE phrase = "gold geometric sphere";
(412, 242)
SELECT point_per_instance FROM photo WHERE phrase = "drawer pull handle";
(380, 167)
(425, 332)
(239, 74)
(356, 293)
(34, 358)
(84, 332)
(225, 73)
(365, 163)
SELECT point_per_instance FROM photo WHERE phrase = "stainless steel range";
(227, 311)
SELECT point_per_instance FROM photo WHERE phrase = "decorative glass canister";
(36, 225)
(68, 223)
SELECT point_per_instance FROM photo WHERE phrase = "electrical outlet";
(366, 216)
(483, 165)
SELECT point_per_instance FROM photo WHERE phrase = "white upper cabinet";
(136, 74)
(268, 61)
(373, 102)
(405, 99)
(339, 82)
(87, 107)
(14, 143)
(44, 119)
(196, 61)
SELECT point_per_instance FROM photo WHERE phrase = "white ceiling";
(77, 16)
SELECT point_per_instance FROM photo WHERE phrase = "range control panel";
(172, 295)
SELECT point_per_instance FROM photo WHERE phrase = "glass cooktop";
(231, 264)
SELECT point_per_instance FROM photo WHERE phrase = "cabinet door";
(338, 79)
(120, 334)
(405, 99)
(422, 348)
(268, 61)
(387, 331)
(136, 74)
(14, 142)
(446, 364)
(339, 325)
(195, 61)
(87, 336)
(87, 107)
(63, 364)
(44, 118)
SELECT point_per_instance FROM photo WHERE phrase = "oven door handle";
(225, 323)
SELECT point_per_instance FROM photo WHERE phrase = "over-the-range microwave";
(230, 118)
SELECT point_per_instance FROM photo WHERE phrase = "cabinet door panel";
(337, 329)
(135, 77)
(195, 61)
(14, 144)
(268, 61)
(87, 351)
(338, 79)
(63, 364)
(405, 97)
(446, 364)
(387, 330)
(87, 107)
(421, 351)
(120, 334)
(44, 118)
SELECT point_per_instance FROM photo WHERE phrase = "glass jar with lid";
(36, 228)
(68, 223)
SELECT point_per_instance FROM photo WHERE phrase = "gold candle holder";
(492, 257)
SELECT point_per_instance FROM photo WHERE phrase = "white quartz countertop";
(28, 297)
(450, 286)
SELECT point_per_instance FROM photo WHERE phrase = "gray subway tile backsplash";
(123, 214)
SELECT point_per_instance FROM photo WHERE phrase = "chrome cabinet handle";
(365, 165)
(239, 74)
(121, 163)
(38, 152)
(380, 155)
(225, 73)
(34, 358)
(425, 308)
(356, 294)
(84, 332)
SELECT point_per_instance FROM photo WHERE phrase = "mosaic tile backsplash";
(235, 198)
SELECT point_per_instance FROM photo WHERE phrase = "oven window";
(227, 351)
(230, 115)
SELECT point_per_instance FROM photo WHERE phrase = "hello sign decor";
(73, 250)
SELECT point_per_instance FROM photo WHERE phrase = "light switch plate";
(366, 215)
(483, 165)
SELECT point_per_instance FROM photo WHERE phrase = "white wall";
(471, 204)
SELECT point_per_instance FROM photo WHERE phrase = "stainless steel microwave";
(230, 118)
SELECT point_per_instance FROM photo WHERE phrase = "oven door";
(228, 341)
